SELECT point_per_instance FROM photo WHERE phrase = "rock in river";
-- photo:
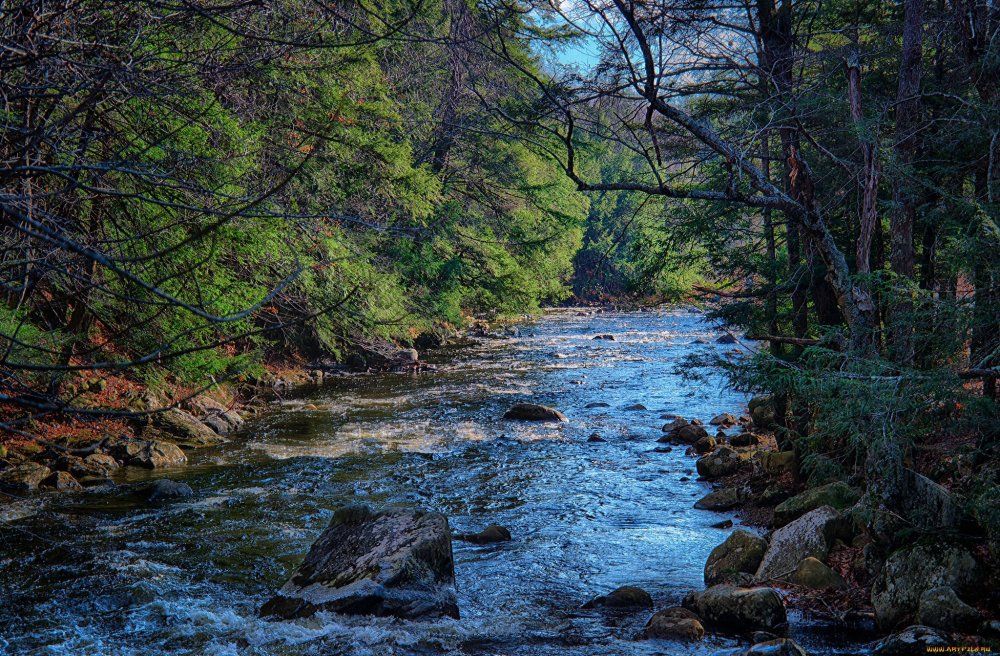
(674, 623)
(165, 489)
(627, 596)
(492, 533)
(738, 609)
(391, 563)
(721, 499)
(735, 559)
(534, 412)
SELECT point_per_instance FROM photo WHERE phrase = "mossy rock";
(838, 495)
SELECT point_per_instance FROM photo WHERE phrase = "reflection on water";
(109, 576)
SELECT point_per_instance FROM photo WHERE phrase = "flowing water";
(109, 575)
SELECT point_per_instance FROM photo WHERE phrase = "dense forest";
(207, 199)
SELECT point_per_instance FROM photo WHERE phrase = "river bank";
(586, 516)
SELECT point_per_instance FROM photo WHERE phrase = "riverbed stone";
(627, 596)
(837, 495)
(675, 424)
(722, 499)
(675, 623)
(941, 608)
(911, 571)
(732, 608)
(808, 536)
(736, 558)
(814, 573)
(533, 412)
(914, 640)
(24, 477)
(394, 563)
(598, 404)
(688, 434)
(723, 462)
(492, 533)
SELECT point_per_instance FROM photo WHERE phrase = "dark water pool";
(101, 576)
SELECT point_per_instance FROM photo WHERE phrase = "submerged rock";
(912, 641)
(838, 495)
(599, 404)
(738, 609)
(606, 336)
(594, 437)
(635, 407)
(736, 559)
(492, 533)
(391, 563)
(626, 596)
(808, 536)
(534, 412)
(165, 489)
(673, 624)
(911, 571)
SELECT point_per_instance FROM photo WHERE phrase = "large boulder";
(722, 462)
(151, 454)
(814, 573)
(722, 499)
(738, 609)
(913, 641)
(808, 536)
(184, 429)
(676, 423)
(911, 571)
(223, 421)
(394, 563)
(942, 609)
(706, 444)
(674, 623)
(627, 596)
(24, 477)
(837, 495)
(735, 559)
(533, 412)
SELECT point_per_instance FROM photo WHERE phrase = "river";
(109, 575)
